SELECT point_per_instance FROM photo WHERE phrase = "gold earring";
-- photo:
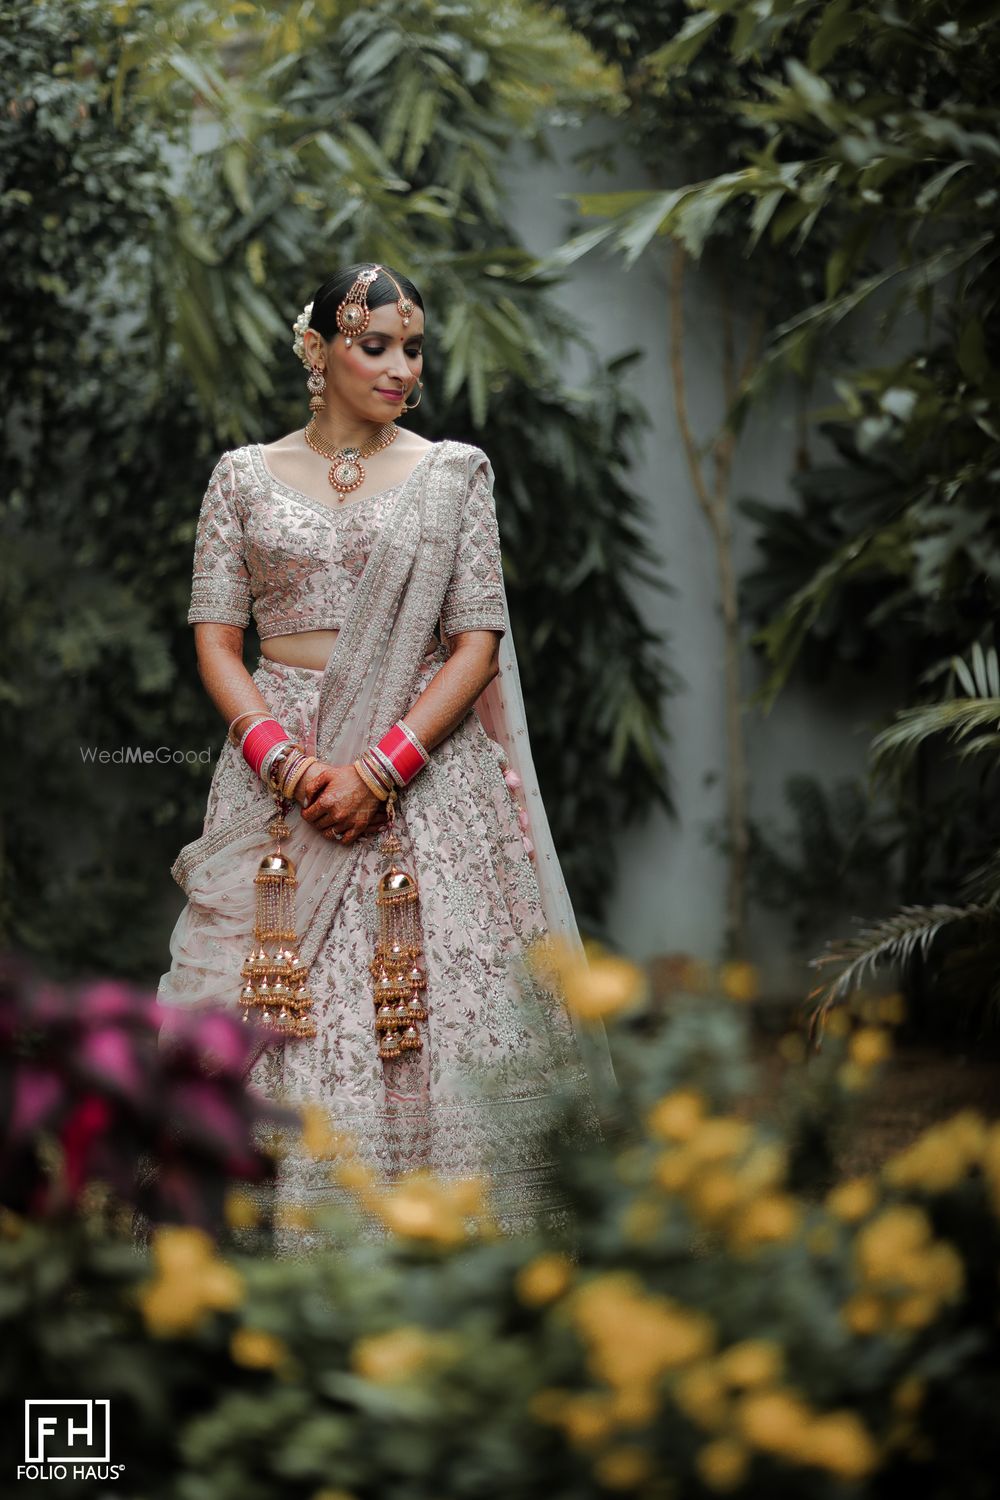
(413, 405)
(316, 385)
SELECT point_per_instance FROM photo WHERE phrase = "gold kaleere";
(276, 979)
(396, 968)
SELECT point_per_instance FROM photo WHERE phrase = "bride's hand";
(335, 800)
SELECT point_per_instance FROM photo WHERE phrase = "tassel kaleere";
(276, 979)
(396, 968)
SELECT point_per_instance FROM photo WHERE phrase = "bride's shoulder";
(458, 450)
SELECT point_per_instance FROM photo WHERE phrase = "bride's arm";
(455, 686)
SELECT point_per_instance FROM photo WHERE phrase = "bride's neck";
(342, 431)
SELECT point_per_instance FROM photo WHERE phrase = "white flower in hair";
(298, 328)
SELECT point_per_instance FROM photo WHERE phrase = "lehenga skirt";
(498, 1044)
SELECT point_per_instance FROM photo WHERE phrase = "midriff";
(309, 648)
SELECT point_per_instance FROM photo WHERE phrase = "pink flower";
(512, 779)
(36, 1092)
(522, 819)
(528, 845)
(107, 1054)
(91, 1116)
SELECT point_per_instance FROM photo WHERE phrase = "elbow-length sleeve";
(220, 588)
(474, 597)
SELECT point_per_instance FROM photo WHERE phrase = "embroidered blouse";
(263, 547)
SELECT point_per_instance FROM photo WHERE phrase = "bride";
(387, 692)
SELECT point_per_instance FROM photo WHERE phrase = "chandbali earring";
(317, 385)
(414, 404)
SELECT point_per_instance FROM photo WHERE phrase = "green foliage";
(839, 854)
(175, 174)
(707, 1293)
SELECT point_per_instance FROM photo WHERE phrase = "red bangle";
(403, 753)
(259, 741)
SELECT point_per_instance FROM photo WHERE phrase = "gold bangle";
(297, 774)
(370, 782)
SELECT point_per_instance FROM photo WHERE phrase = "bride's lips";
(394, 396)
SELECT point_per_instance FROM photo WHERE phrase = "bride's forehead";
(386, 320)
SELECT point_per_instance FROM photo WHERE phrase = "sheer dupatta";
(366, 686)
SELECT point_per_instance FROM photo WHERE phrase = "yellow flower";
(883, 1245)
(739, 981)
(720, 1138)
(722, 1464)
(915, 1311)
(423, 1206)
(595, 983)
(399, 1354)
(768, 1220)
(319, 1139)
(753, 1362)
(240, 1210)
(677, 1116)
(775, 1422)
(355, 1175)
(714, 1194)
(586, 1418)
(852, 1200)
(190, 1281)
(764, 1166)
(891, 1009)
(701, 1395)
(543, 1279)
(623, 1468)
(256, 1349)
(634, 1405)
(869, 1046)
(328, 1494)
(837, 1023)
(294, 1216)
(840, 1443)
(673, 1170)
(942, 1156)
(864, 1313)
(632, 1337)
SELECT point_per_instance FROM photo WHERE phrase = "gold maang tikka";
(353, 314)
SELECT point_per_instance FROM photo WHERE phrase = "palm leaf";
(899, 939)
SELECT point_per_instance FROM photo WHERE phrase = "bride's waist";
(311, 648)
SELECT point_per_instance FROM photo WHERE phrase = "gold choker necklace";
(347, 471)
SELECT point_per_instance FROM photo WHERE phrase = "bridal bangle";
(401, 753)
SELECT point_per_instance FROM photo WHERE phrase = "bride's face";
(371, 379)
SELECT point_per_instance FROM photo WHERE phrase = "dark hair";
(333, 291)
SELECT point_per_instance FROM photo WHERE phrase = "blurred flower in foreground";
(596, 984)
(401, 1353)
(191, 1281)
(739, 981)
(543, 1279)
(424, 1206)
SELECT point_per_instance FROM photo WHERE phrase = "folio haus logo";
(67, 1439)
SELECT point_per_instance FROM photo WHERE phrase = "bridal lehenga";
(499, 1041)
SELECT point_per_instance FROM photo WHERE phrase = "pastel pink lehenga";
(499, 1042)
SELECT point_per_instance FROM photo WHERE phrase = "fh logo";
(67, 1439)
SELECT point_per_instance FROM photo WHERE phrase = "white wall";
(670, 892)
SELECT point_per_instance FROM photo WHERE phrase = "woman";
(354, 542)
